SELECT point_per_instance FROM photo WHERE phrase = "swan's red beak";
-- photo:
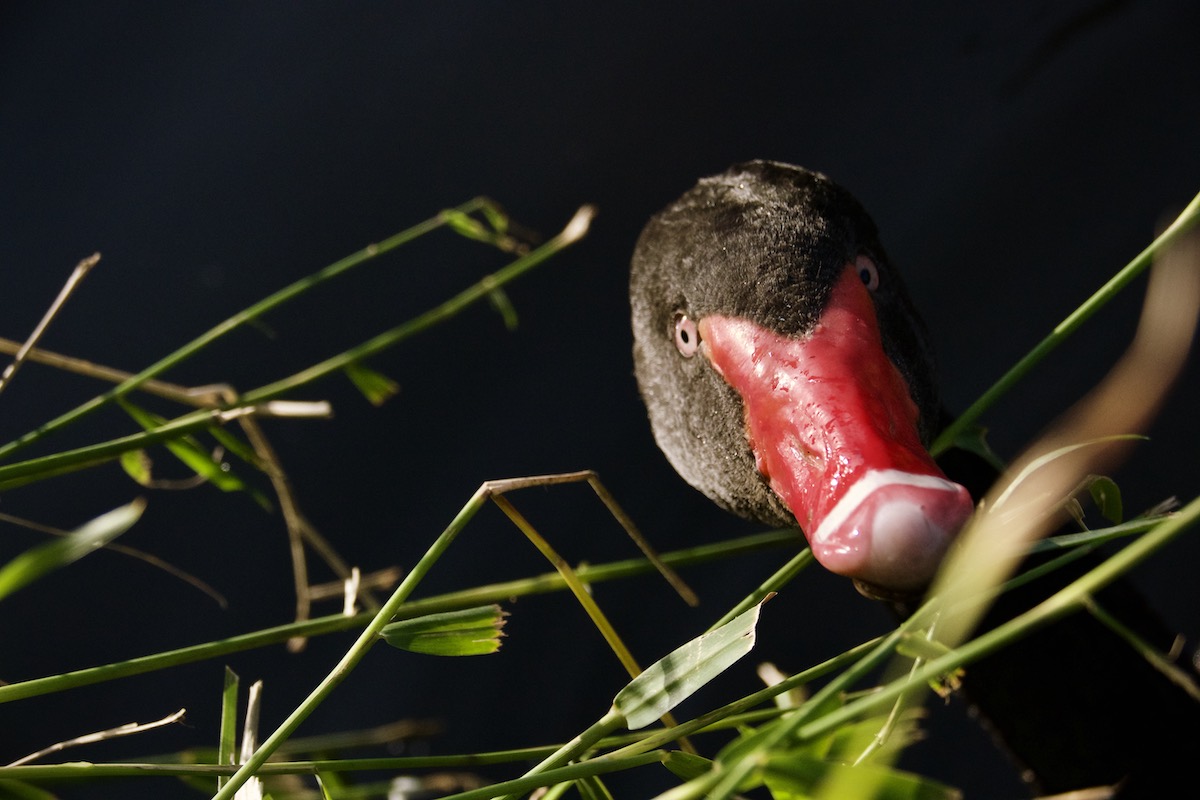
(834, 430)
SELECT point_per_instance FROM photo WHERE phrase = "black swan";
(789, 378)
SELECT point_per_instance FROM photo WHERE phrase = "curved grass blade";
(33, 564)
(952, 432)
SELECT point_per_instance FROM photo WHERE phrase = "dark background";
(1014, 157)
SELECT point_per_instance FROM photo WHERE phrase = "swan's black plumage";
(1073, 703)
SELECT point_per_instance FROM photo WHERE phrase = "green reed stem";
(253, 312)
(357, 651)
(1064, 329)
(491, 593)
(770, 586)
(34, 469)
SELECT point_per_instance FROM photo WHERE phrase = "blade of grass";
(227, 734)
(33, 564)
(117, 547)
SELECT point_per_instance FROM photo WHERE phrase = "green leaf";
(792, 776)
(466, 225)
(495, 217)
(495, 232)
(676, 676)
(326, 794)
(1107, 497)
(235, 446)
(195, 457)
(846, 742)
(227, 733)
(469, 632)
(499, 301)
(375, 386)
(137, 466)
(34, 563)
(686, 765)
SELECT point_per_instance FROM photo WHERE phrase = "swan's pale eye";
(687, 337)
(867, 272)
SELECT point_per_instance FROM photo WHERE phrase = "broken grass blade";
(34, 563)
(469, 632)
(673, 678)
(127, 729)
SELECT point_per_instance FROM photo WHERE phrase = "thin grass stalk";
(357, 651)
(78, 274)
(177, 766)
(26, 471)
(249, 314)
(482, 595)
(770, 586)
(1186, 219)
(1159, 660)
(580, 591)
(83, 770)
(480, 290)
(575, 584)
(573, 772)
